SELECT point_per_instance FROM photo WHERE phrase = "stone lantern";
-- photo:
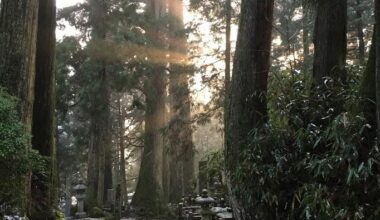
(205, 201)
(80, 190)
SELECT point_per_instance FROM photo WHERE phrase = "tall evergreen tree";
(99, 158)
(18, 37)
(44, 184)
(150, 190)
(227, 61)
(181, 144)
(247, 109)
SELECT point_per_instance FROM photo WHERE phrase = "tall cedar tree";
(99, 157)
(44, 185)
(149, 194)
(227, 60)
(18, 37)
(181, 144)
(247, 110)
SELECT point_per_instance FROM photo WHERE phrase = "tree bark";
(305, 38)
(100, 154)
(149, 195)
(247, 105)
(181, 143)
(123, 176)
(92, 168)
(368, 100)
(149, 191)
(44, 187)
(330, 40)
(18, 39)
(227, 73)
(377, 39)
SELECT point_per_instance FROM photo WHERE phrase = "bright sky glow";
(68, 31)
(67, 3)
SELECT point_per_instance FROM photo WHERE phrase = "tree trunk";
(122, 176)
(44, 186)
(305, 38)
(68, 201)
(166, 152)
(181, 143)
(368, 101)
(92, 169)
(149, 191)
(99, 177)
(227, 73)
(149, 195)
(359, 27)
(176, 189)
(377, 39)
(330, 40)
(18, 39)
(247, 105)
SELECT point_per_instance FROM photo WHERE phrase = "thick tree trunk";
(99, 176)
(44, 185)
(102, 138)
(149, 195)
(330, 40)
(176, 188)
(149, 191)
(18, 39)
(181, 143)
(248, 106)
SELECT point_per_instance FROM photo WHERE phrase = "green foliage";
(313, 163)
(215, 164)
(59, 215)
(97, 212)
(16, 157)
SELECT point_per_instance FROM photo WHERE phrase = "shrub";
(16, 157)
(316, 165)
